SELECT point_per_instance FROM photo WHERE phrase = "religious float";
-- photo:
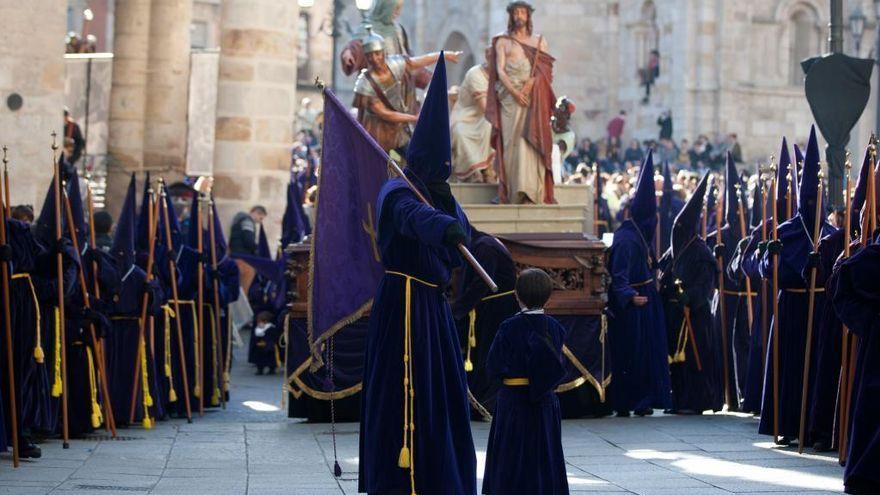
(575, 260)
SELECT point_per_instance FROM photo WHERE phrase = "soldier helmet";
(519, 3)
(372, 42)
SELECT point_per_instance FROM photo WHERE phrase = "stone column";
(128, 98)
(167, 86)
(255, 107)
(31, 66)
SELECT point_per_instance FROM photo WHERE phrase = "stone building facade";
(725, 66)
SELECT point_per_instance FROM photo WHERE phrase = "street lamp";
(857, 27)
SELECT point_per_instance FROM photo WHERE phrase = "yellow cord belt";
(56, 384)
(406, 459)
(148, 399)
(169, 313)
(97, 416)
(472, 329)
(39, 354)
(516, 382)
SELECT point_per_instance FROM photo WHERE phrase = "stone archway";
(455, 72)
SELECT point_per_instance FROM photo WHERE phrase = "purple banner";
(345, 265)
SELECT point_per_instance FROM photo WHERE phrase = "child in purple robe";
(524, 454)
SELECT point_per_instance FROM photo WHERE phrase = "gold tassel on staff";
(844, 348)
(775, 295)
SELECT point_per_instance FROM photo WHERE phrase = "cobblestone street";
(251, 448)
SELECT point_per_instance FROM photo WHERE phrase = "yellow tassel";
(56, 385)
(197, 390)
(172, 395)
(472, 341)
(97, 417)
(468, 365)
(403, 459)
(39, 355)
(147, 423)
(215, 397)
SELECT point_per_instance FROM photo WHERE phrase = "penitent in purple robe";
(856, 300)
(411, 245)
(524, 453)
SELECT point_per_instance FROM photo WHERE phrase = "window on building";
(303, 49)
(198, 32)
(805, 40)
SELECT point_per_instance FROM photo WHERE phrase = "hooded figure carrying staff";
(687, 284)
(636, 327)
(793, 248)
(415, 434)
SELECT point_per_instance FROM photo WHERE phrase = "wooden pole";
(775, 294)
(765, 313)
(201, 303)
(145, 303)
(721, 302)
(59, 272)
(7, 322)
(102, 371)
(844, 348)
(172, 270)
(212, 234)
(743, 234)
(817, 232)
(465, 252)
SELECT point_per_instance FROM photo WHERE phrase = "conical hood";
(123, 239)
(794, 176)
(809, 184)
(757, 200)
(667, 179)
(861, 189)
(643, 207)
(429, 154)
(219, 237)
(263, 245)
(143, 221)
(194, 230)
(294, 222)
(173, 225)
(782, 183)
(731, 205)
(687, 223)
(76, 208)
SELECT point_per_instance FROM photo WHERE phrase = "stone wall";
(256, 104)
(31, 65)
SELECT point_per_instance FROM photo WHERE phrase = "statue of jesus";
(519, 108)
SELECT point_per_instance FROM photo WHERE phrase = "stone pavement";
(251, 449)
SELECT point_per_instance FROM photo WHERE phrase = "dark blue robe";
(524, 454)
(693, 389)
(637, 335)
(823, 393)
(793, 301)
(745, 264)
(411, 242)
(489, 311)
(736, 317)
(856, 301)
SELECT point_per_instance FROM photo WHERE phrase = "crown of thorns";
(519, 3)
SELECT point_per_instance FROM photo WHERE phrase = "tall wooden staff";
(145, 303)
(596, 192)
(743, 234)
(765, 314)
(99, 347)
(705, 219)
(7, 321)
(201, 303)
(212, 234)
(99, 355)
(817, 232)
(172, 270)
(6, 184)
(844, 348)
(59, 273)
(775, 343)
(721, 303)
